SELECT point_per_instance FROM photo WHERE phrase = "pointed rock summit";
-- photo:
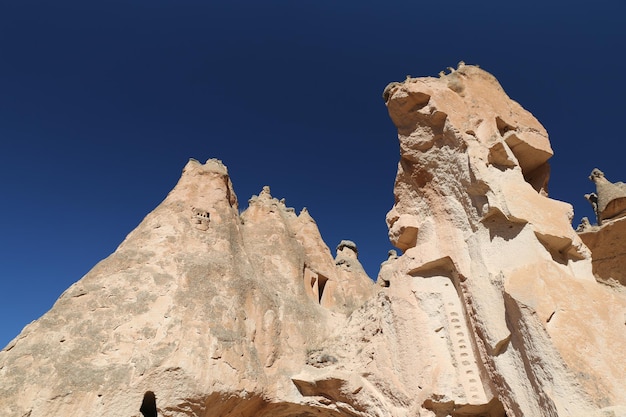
(492, 308)
(210, 310)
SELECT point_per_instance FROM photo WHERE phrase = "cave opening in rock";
(148, 405)
(321, 283)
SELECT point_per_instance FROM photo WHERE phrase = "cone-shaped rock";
(208, 310)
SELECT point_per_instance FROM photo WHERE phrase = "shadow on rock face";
(148, 405)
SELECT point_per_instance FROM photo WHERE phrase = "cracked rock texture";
(491, 310)
(487, 243)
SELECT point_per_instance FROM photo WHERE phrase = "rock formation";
(491, 310)
(488, 245)
(607, 239)
(610, 198)
(386, 269)
(608, 247)
(210, 310)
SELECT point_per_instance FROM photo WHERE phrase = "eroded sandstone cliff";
(472, 214)
(211, 310)
(492, 309)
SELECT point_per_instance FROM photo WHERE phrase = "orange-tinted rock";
(491, 310)
(493, 249)
(204, 307)
(608, 250)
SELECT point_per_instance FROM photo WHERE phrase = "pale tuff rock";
(607, 240)
(491, 310)
(609, 200)
(347, 252)
(354, 286)
(347, 248)
(585, 225)
(339, 286)
(386, 269)
(493, 249)
(204, 307)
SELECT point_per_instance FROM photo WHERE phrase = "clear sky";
(102, 104)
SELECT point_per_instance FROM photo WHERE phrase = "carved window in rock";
(314, 284)
(321, 284)
(200, 218)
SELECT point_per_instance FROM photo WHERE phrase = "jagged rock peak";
(204, 184)
(265, 199)
(386, 269)
(346, 253)
(211, 165)
(305, 215)
(208, 310)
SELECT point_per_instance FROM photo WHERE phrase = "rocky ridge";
(494, 308)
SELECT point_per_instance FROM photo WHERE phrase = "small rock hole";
(148, 405)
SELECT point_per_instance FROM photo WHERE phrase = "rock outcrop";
(491, 310)
(492, 262)
(608, 250)
(609, 199)
(210, 310)
(606, 239)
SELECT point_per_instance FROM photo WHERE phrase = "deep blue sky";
(102, 104)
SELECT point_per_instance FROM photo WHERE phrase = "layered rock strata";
(492, 308)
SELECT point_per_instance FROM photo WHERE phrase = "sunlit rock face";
(490, 310)
(607, 238)
(210, 310)
(510, 305)
(608, 250)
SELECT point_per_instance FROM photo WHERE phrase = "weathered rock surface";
(491, 310)
(606, 239)
(608, 250)
(610, 198)
(211, 310)
(493, 262)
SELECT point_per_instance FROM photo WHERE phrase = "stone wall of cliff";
(492, 308)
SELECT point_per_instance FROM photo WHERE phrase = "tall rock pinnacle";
(491, 309)
(209, 310)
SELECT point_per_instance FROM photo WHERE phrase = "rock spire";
(492, 308)
(208, 310)
(607, 239)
